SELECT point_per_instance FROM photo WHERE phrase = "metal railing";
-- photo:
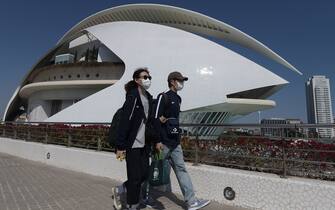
(295, 150)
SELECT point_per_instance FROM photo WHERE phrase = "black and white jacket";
(131, 119)
(169, 107)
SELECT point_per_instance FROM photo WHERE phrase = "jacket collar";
(135, 92)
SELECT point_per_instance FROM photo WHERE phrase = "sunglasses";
(146, 77)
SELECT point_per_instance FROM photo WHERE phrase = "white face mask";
(180, 85)
(146, 83)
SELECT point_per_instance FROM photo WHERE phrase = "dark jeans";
(137, 172)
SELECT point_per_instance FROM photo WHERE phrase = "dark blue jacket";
(169, 107)
(131, 119)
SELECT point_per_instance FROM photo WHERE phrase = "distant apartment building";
(319, 106)
(277, 130)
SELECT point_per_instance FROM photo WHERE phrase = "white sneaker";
(116, 195)
(133, 207)
(198, 204)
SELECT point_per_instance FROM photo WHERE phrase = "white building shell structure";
(108, 46)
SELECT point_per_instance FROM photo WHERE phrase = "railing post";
(15, 131)
(46, 135)
(4, 131)
(99, 144)
(69, 137)
(284, 175)
(318, 134)
(196, 155)
(284, 163)
(28, 134)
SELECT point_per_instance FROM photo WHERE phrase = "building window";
(87, 75)
(54, 77)
(61, 76)
(56, 106)
(69, 76)
(97, 75)
(78, 75)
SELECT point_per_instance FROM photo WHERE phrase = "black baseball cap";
(177, 76)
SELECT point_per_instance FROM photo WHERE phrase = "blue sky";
(302, 32)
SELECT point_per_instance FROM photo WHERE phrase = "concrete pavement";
(29, 185)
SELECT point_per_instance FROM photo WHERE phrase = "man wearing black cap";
(167, 116)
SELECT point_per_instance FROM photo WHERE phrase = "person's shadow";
(157, 194)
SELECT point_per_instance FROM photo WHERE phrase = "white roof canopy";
(178, 18)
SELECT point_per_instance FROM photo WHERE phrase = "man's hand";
(120, 155)
(159, 146)
(162, 119)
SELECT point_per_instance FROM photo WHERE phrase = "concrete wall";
(38, 109)
(106, 55)
(40, 102)
(253, 190)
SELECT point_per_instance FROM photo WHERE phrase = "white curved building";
(81, 79)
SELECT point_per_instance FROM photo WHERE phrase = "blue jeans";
(176, 160)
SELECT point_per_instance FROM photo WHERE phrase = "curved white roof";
(27, 90)
(213, 71)
(239, 106)
(178, 18)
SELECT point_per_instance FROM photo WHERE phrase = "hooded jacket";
(131, 119)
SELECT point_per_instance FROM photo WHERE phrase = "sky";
(302, 32)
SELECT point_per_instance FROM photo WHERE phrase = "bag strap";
(166, 101)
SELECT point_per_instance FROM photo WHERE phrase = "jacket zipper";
(133, 109)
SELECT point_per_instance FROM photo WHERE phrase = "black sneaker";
(149, 202)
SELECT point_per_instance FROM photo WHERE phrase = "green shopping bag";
(159, 170)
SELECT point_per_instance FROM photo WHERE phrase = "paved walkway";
(28, 185)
